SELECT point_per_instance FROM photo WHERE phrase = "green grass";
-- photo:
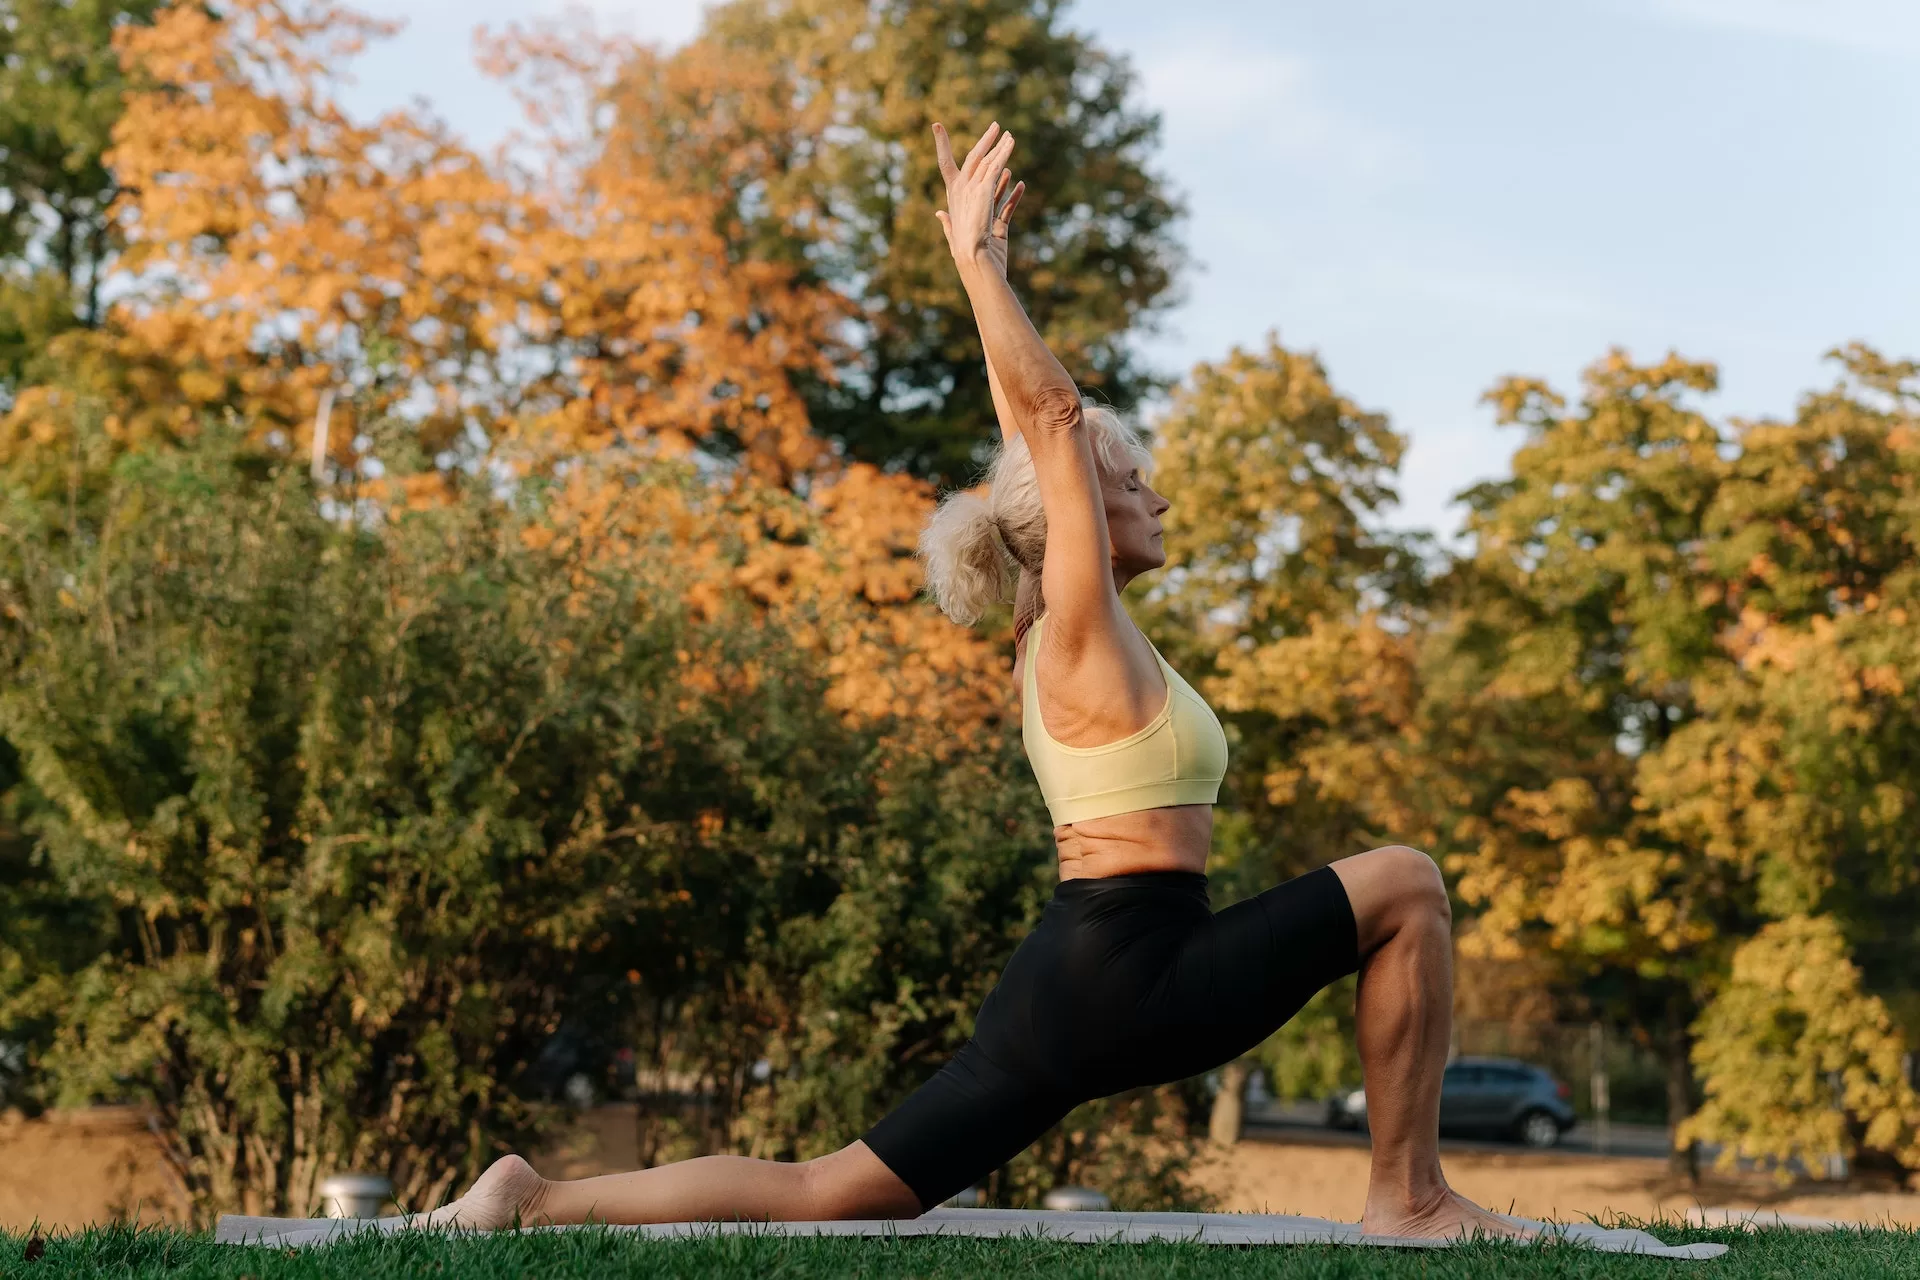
(161, 1252)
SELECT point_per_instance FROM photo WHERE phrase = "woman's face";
(1133, 523)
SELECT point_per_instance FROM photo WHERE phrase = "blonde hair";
(974, 547)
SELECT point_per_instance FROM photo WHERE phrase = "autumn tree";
(1661, 742)
(812, 120)
(1803, 776)
(1290, 605)
(272, 242)
(1568, 659)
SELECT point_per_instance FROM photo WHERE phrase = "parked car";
(1484, 1097)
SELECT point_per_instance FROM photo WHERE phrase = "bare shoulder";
(1095, 684)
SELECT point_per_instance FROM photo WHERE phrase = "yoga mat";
(1080, 1228)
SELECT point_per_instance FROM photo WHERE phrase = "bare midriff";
(1171, 839)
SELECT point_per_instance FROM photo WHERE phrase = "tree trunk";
(1682, 1159)
(1230, 1104)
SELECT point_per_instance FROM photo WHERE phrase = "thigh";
(1249, 970)
(971, 1118)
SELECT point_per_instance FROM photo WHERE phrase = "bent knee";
(1418, 885)
(1417, 878)
(1394, 888)
(853, 1183)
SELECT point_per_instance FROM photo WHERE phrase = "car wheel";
(1538, 1129)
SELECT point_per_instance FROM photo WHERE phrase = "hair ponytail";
(968, 569)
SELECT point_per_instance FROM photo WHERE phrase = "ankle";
(1409, 1192)
(533, 1210)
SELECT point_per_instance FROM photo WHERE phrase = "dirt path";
(1331, 1182)
(76, 1167)
(93, 1166)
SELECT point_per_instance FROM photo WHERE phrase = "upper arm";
(1001, 409)
(1077, 576)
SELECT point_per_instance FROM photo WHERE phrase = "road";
(1305, 1122)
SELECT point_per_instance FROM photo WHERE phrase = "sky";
(1435, 196)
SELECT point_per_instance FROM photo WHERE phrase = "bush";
(367, 809)
(373, 806)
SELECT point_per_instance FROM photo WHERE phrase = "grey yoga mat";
(1080, 1228)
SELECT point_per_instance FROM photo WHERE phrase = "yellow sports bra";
(1178, 757)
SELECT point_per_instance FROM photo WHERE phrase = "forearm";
(1030, 386)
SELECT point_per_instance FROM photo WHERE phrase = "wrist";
(974, 263)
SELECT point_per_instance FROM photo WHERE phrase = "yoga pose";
(1130, 979)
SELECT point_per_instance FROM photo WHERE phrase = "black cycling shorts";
(1127, 981)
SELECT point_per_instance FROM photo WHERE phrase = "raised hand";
(980, 204)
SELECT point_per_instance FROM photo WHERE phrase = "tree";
(1576, 631)
(373, 810)
(272, 242)
(813, 118)
(1295, 612)
(1803, 776)
(1671, 692)
(1799, 1062)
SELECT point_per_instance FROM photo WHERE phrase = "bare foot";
(1449, 1216)
(508, 1194)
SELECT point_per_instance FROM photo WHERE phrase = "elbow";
(1055, 410)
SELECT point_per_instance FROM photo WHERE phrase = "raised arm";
(997, 255)
(1039, 397)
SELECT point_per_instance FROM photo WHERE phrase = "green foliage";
(375, 808)
(370, 810)
(1278, 483)
(1135, 1147)
(816, 115)
(61, 87)
(1798, 1061)
(1314, 1054)
(1673, 690)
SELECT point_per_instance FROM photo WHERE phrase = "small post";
(1597, 1086)
(355, 1195)
(321, 417)
(1076, 1200)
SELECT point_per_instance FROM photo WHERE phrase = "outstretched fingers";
(981, 149)
(943, 152)
(1003, 221)
(996, 160)
(979, 202)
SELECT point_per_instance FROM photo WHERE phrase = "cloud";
(1217, 93)
(1868, 26)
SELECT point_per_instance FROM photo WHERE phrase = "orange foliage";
(279, 247)
(837, 569)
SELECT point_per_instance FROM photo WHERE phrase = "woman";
(1129, 979)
